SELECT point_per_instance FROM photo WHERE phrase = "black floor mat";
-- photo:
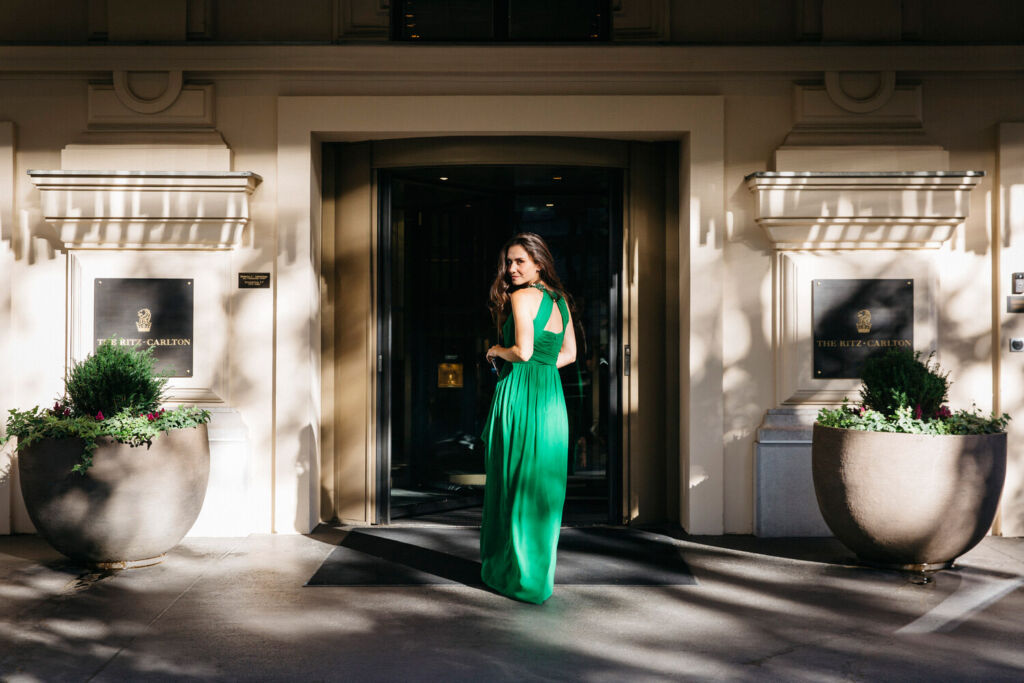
(596, 556)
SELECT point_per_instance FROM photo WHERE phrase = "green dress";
(526, 439)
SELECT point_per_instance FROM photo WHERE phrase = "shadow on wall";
(305, 480)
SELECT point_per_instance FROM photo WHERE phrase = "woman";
(527, 430)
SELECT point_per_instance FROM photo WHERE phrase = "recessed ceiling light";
(444, 177)
(549, 204)
(557, 177)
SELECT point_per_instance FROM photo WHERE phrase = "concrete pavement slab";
(778, 609)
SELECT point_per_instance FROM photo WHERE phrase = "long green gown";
(527, 441)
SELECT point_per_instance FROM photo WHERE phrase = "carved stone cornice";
(146, 210)
(861, 210)
(469, 61)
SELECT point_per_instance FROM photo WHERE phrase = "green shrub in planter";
(899, 378)
(903, 393)
(115, 393)
(113, 380)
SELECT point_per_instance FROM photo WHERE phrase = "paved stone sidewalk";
(236, 609)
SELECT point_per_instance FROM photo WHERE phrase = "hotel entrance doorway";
(440, 232)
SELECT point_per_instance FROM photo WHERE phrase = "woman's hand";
(493, 353)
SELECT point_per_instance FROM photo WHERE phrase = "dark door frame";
(384, 341)
(385, 271)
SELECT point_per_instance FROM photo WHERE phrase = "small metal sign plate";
(254, 280)
(152, 313)
(449, 375)
(854, 319)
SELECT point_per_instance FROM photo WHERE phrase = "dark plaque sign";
(147, 313)
(856, 318)
(254, 280)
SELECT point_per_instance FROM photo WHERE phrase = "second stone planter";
(908, 501)
(132, 506)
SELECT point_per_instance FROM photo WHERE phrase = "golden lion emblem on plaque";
(145, 321)
(864, 321)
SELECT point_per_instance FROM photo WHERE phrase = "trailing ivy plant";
(903, 393)
(903, 420)
(114, 393)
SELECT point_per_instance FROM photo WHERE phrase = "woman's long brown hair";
(500, 300)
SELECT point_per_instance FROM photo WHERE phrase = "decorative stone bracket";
(146, 209)
(861, 210)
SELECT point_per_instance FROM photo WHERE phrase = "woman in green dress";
(527, 430)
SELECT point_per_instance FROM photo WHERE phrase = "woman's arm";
(567, 354)
(524, 308)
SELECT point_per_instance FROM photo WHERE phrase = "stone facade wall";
(960, 113)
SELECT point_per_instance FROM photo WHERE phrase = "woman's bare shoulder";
(526, 302)
(525, 294)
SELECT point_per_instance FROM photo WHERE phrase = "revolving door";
(440, 232)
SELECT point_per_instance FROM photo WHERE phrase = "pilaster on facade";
(9, 397)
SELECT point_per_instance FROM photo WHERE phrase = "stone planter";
(130, 507)
(907, 501)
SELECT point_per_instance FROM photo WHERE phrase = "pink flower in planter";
(917, 412)
(863, 410)
(99, 416)
(943, 412)
(150, 417)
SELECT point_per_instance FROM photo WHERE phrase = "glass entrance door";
(441, 232)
